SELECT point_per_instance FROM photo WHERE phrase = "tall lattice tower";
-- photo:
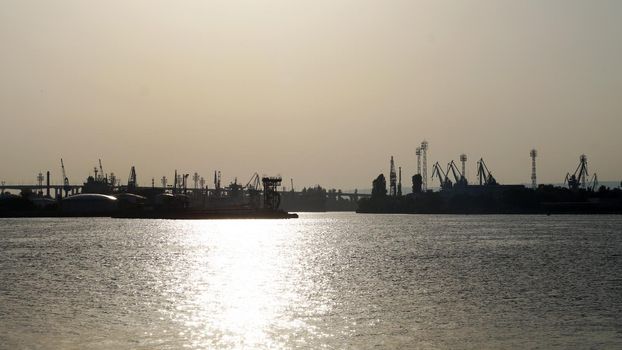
(418, 153)
(195, 179)
(463, 159)
(40, 179)
(583, 174)
(132, 181)
(533, 154)
(392, 180)
(424, 167)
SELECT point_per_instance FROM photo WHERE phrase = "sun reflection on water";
(236, 293)
(324, 281)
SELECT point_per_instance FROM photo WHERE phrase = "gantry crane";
(272, 198)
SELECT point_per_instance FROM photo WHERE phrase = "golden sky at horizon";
(323, 92)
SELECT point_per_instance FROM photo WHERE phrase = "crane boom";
(484, 175)
(101, 169)
(442, 176)
(254, 182)
(454, 170)
(66, 187)
(65, 179)
(579, 178)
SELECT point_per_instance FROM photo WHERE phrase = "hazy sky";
(320, 91)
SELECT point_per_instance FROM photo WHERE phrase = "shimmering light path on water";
(325, 280)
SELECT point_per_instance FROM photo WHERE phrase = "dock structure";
(197, 195)
(56, 191)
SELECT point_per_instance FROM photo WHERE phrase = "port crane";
(580, 176)
(459, 178)
(442, 176)
(254, 183)
(101, 171)
(272, 198)
(484, 175)
(66, 187)
(254, 189)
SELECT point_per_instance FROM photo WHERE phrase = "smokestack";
(47, 183)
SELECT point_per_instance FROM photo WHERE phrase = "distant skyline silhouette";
(323, 92)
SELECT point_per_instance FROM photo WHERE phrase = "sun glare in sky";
(319, 91)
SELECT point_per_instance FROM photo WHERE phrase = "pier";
(59, 191)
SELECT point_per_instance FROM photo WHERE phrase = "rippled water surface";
(322, 281)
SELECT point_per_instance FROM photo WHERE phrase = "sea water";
(329, 280)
